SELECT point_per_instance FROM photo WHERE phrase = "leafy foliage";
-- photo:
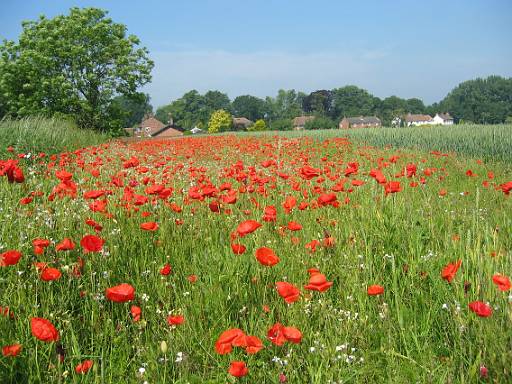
(485, 101)
(259, 125)
(320, 123)
(131, 109)
(194, 109)
(281, 125)
(220, 121)
(251, 107)
(72, 65)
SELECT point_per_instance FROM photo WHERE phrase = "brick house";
(300, 122)
(417, 120)
(360, 122)
(152, 127)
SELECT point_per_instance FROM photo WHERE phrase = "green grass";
(419, 330)
(36, 135)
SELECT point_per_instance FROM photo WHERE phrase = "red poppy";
(165, 270)
(192, 278)
(253, 345)
(294, 226)
(246, 227)
(374, 290)
(40, 245)
(149, 226)
(266, 256)
(120, 293)
(50, 274)
(502, 281)
(228, 339)
(238, 369)
(136, 312)
(65, 245)
(275, 334)
(43, 329)
(10, 257)
(289, 292)
(292, 334)
(84, 366)
(175, 320)
(318, 282)
(91, 243)
(481, 309)
(449, 272)
(238, 249)
(279, 334)
(392, 187)
(270, 214)
(11, 350)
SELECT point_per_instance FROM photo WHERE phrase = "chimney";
(170, 120)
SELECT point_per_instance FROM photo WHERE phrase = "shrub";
(220, 121)
(281, 125)
(259, 125)
(320, 123)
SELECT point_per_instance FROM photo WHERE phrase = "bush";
(320, 123)
(220, 121)
(281, 125)
(259, 125)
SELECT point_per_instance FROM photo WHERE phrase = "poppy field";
(254, 259)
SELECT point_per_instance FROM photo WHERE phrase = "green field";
(198, 190)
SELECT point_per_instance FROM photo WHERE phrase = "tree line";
(86, 68)
(484, 101)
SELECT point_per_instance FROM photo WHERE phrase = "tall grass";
(37, 134)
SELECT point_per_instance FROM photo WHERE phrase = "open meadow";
(357, 256)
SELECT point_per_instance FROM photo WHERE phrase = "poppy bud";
(163, 347)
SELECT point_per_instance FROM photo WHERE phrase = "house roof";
(165, 128)
(363, 120)
(445, 116)
(153, 125)
(410, 118)
(242, 121)
(302, 120)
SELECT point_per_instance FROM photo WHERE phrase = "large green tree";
(251, 107)
(286, 105)
(72, 65)
(193, 108)
(486, 101)
(318, 103)
(131, 109)
(351, 101)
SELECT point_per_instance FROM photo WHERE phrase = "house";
(300, 122)
(152, 127)
(417, 120)
(241, 123)
(443, 119)
(360, 122)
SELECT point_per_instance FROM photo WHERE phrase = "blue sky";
(405, 48)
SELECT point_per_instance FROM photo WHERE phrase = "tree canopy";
(72, 65)
(486, 101)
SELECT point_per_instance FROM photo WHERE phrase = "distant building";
(152, 127)
(417, 120)
(241, 123)
(299, 122)
(360, 122)
(443, 119)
